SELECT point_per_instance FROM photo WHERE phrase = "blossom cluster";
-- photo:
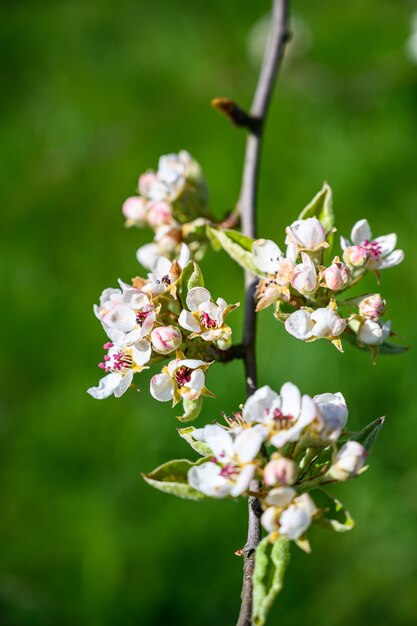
(163, 316)
(285, 447)
(307, 284)
(173, 202)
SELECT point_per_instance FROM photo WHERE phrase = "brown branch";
(247, 204)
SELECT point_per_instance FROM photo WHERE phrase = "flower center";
(228, 470)
(166, 280)
(373, 247)
(207, 321)
(183, 376)
(141, 317)
(282, 421)
(119, 361)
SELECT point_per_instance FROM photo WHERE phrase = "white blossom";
(231, 469)
(373, 332)
(323, 323)
(206, 318)
(166, 339)
(304, 279)
(289, 515)
(307, 234)
(120, 364)
(382, 253)
(349, 460)
(280, 471)
(332, 416)
(269, 260)
(165, 273)
(181, 378)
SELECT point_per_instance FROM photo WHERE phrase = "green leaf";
(191, 277)
(172, 478)
(391, 348)
(386, 348)
(199, 446)
(368, 434)
(271, 560)
(192, 409)
(321, 207)
(333, 516)
(236, 245)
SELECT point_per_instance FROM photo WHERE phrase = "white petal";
(121, 317)
(141, 352)
(300, 325)
(147, 255)
(191, 363)
(184, 255)
(188, 321)
(243, 480)
(344, 243)
(266, 255)
(247, 444)
(207, 479)
(196, 384)
(391, 260)
(269, 519)
(280, 496)
(361, 232)
(162, 387)
(387, 243)
(220, 442)
(197, 296)
(291, 400)
(257, 404)
(106, 386)
(124, 384)
(294, 521)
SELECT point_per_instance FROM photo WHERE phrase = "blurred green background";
(92, 93)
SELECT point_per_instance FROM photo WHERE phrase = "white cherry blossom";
(206, 318)
(232, 467)
(382, 252)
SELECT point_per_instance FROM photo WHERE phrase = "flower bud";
(166, 339)
(280, 471)
(373, 333)
(372, 307)
(159, 213)
(349, 460)
(356, 256)
(336, 276)
(134, 209)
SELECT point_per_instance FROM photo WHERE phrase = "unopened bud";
(349, 460)
(166, 339)
(373, 332)
(336, 276)
(372, 306)
(134, 209)
(356, 256)
(159, 213)
(280, 471)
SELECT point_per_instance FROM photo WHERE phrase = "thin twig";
(247, 205)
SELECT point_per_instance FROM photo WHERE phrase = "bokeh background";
(92, 93)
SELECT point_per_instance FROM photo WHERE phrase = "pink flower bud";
(356, 256)
(166, 339)
(280, 471)
(134, 209)
(336, 276)
(372, 307)
(159, 213)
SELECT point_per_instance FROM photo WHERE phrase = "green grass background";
(92, 93)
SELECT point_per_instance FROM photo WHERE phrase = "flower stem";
(278, 37)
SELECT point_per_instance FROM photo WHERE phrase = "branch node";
(237, 115)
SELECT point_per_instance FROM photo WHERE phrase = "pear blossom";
(206, 318)
(349, 460)
(332, 416)
(165, 243)
(166, 339)
(356, 256)
(382, 253)
(269, 260)
(181, 378)
(372, 306)
(323, 323)
(336, 276)
(280, 471)
(373, 332)
(289, 515)
(120, 364)
(165, 273)
(127, 314)
(302, 235)
(232, 467)
(283, 416)
(135, 211)
(304, 279)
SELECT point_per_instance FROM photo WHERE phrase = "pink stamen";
(373, 247)
(108, 345)
(141, 317)
(183, 376)
(228, 470)
(208, 321)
